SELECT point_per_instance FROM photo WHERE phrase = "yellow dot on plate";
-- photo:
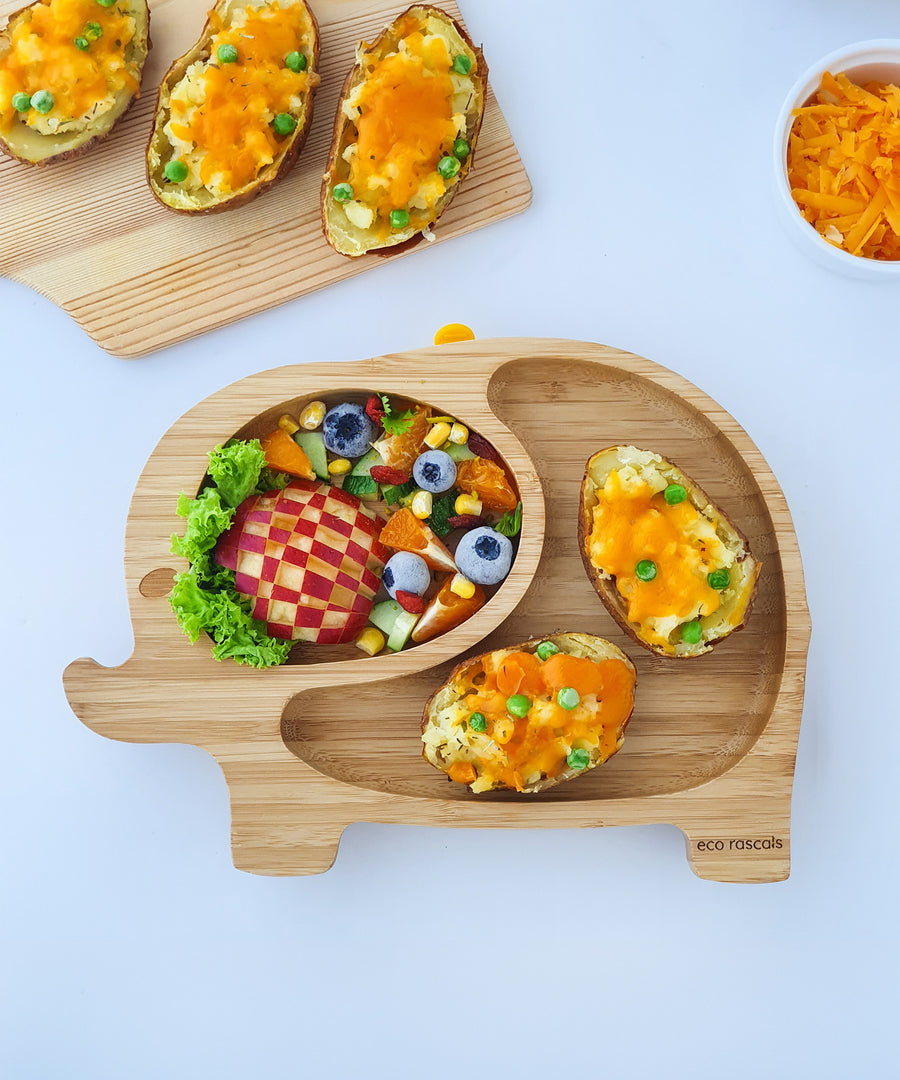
(454, 331)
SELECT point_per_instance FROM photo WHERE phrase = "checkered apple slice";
(309, 559)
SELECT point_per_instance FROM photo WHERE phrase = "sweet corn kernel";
(438, 435)
(421, 504)
(339, 466)
(312, 416)
(459, 434)
(468, 504)
(288, 423)
(371, 640)
(461, 586)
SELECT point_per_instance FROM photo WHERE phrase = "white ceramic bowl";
(862, 62)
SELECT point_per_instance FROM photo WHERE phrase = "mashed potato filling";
(517, 752)
(84, 82)
(633, 522)
(408, 111)
(222, 112)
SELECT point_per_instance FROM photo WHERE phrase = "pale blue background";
(130, 947)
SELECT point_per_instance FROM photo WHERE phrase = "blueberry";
(405, 572)
(348, 431)
(435, 471)
(484, 556)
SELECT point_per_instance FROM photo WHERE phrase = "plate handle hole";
(157, 583)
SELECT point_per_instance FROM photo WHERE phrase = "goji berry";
(481, 447)
(415, 605)
(384, 474)
(375, 409)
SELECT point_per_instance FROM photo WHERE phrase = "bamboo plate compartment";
(711, 745)
(137, 277)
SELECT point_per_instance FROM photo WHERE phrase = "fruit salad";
(369, 520)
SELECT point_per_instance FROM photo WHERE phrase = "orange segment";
(400, 451)
(489, 482)
(283, 454)
(405, 532)
(446, 611)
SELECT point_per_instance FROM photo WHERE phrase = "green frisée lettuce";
(223, 615)
(204, 597)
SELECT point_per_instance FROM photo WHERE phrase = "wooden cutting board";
(89, 235)
(333, 737)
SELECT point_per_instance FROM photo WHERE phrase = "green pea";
(477, 722)
(176, 170)
(42, 101)
(399, 219)
(646, 570)
(342, 192)
(674, 494)
(568, 697)
(546, 649)
(578, 758)
(106, 3)
(719, 579)
(462, 65)
(448, 166)
(227, 54)
(692, 632)
(461, 149)
(518, 705)
(296, 61)
(284, 123)
(82, 43)
(21, 102)
(93, 31)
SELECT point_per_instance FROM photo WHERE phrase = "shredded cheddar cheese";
(84, 82)
(407, 112)
(844, 166)
(519, 751)
(633, 522)
(221, 114)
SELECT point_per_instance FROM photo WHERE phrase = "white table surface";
(129, 945)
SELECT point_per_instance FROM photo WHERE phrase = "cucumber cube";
(403, 627)
(312, 443)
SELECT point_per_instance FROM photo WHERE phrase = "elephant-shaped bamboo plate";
(334, 737)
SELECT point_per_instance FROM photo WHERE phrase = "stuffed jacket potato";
(405, 133)
(670, 567)
(233, 113)
(530, 716)
(69, 69)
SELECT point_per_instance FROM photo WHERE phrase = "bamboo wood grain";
(712, 742)
(137, 277)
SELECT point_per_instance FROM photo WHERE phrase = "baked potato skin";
(274, 172)
(575, 644)
(605, 586)
(33, 148)
(336, 169)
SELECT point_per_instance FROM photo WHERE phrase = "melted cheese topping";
(221, 115)
(43, 56)
(408, 111)
(518, 752)
(633, 522)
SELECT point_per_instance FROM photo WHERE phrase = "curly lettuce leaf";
(204, 597)
(226, 618)
(206, 519)
(235, 469)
